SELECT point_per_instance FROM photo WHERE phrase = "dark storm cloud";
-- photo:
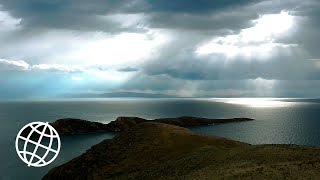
(209, 23)
(308, 32)
(128, 69)
(78, 15)
(195, 6)
(85, 15)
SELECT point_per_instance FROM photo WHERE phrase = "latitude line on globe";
(36, 130)
(41, 159)
(37, 144)
(39, 140)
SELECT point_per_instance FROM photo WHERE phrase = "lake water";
(277, 121)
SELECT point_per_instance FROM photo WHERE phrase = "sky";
(183, 48)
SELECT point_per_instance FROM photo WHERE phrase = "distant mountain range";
(119, 95)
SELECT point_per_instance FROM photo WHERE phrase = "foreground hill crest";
(152, 150)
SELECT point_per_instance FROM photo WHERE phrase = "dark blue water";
(278, 121)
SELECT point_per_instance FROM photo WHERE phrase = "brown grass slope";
(160, 151)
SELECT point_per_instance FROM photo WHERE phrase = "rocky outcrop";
(124, 123)
(158, 151)
(79, 126)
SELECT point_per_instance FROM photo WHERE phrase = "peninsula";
(78, 126)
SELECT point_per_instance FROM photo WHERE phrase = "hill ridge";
(153, 150)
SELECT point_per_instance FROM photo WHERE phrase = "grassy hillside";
(160, 151)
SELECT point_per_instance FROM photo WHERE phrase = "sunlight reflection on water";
(258, 102)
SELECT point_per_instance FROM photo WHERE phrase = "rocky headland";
(78, 126)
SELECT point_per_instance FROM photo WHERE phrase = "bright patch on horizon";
(77, 78)
(258, 40)
(257, 102)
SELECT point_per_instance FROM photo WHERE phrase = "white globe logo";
(38, 144)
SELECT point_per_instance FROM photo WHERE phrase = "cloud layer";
(187, 48)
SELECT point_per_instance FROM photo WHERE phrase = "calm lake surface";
(277, 121)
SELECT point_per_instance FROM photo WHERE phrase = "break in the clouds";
(186, 48)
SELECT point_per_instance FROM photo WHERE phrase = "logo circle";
(38, 144)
